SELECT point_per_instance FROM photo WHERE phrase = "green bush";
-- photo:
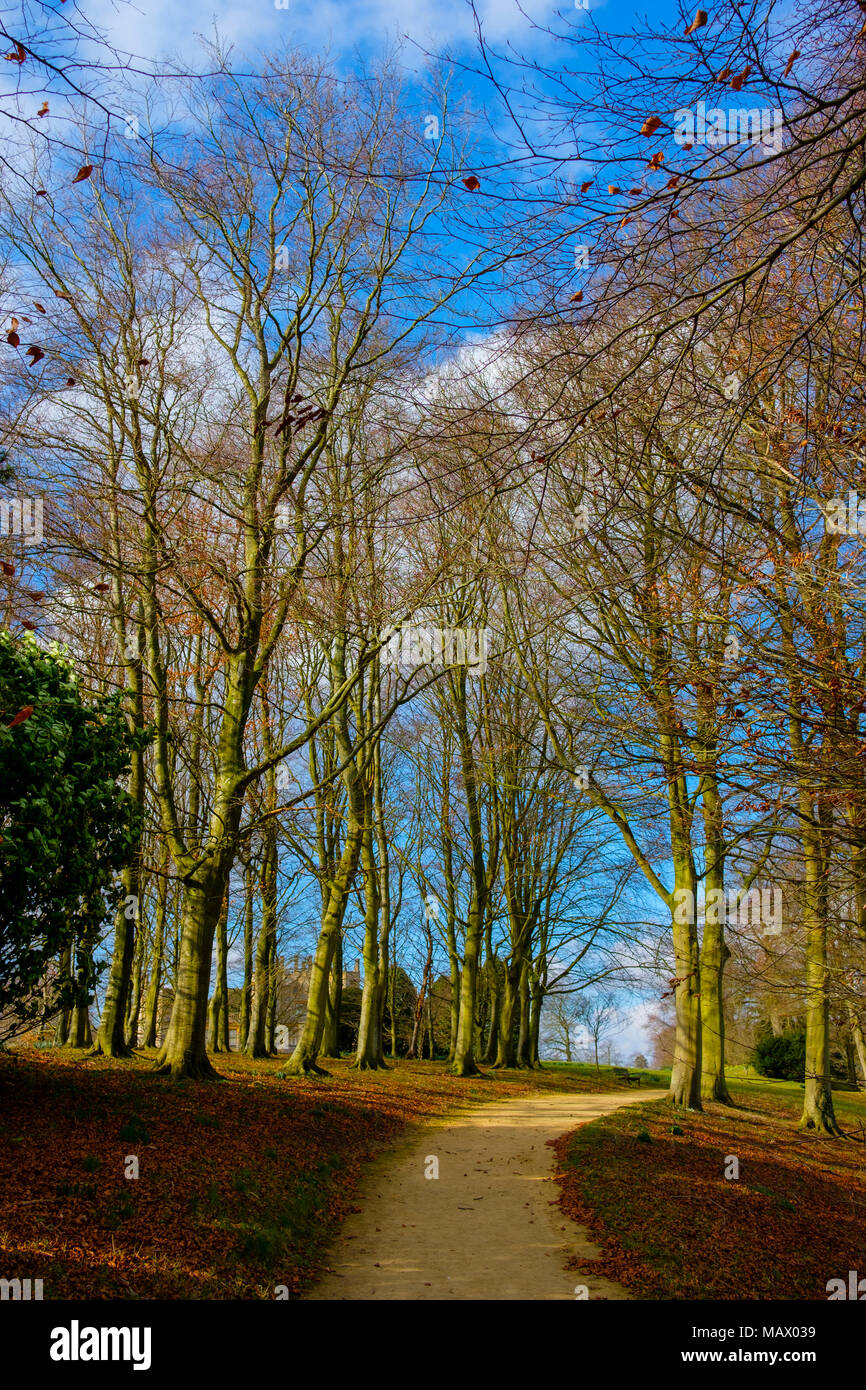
(783, 1058)
(67, 826)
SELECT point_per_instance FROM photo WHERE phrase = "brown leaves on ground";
(672, 1226)
(242, 1183)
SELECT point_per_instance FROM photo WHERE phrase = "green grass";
(651, 1077)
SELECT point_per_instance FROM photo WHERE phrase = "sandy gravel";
(488, 1227)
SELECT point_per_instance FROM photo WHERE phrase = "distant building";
(299, 969)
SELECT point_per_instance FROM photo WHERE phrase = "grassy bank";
(241, 1183)
(650, 1182)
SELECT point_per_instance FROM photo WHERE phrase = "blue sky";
(157, 29)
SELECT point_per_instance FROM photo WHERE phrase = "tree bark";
(184, 1051)
(257, 1042)
(247, 988)
(218, 1007)
(151, 1007)
(368, 1056)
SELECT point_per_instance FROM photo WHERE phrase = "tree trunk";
(111, 1039)
(857, 1038)
(273, 969)
(523, 1051)
(464, 1054)
(714, 950)
(135, 993)
(392, 985)
(80, 1034)
(247, 988)
(415, 1047)
(430, 1027)
(334, 1003)
(151, 1008)
(536, 997)
(685, 1087)
(818, 1113)
(218, 1007)
(65, 968)
(184, 1051)
(464, 1063)
(506, 1055)
(257, 1042)
(306, 1053)
(714, 954)
(368, 1056)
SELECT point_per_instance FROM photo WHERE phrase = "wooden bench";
(621, 1074)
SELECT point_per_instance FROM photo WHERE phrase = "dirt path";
(488, 1227)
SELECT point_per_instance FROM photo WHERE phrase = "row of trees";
(531, 647)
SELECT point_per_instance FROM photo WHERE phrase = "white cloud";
(154, 29)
